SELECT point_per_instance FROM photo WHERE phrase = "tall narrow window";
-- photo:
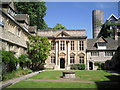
(62, 45)
(72, 45)
(81, 59)
(72, 60)
(81, 45)
(53, 59)
(53, 45)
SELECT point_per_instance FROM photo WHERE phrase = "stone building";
(97, 21)
(68, 47)
(111, 28)
(100, 50)
(14, 29)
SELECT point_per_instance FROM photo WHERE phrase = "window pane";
(81, 45)
(72, 45)
(94, 53)
(81, 59)
(72, 59)
(52, 59)
(53, 45)
(62, 45)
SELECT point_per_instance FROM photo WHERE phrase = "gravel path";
(60, 80)
(15, 80)
(75, 81)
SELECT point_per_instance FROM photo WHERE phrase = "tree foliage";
(59, 27)
(8, 57)
(9, 60)
(38, 49)
(24, 58)
(36, 11)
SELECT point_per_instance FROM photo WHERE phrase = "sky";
(77, 15)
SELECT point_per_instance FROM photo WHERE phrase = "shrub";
(9, 60)
(97, 63)
(100, 65)
(78, 66)
(16, 73)
(24, 60)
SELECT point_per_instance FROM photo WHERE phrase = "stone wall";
(13, 36)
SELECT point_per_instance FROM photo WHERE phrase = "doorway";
(62, 63)
(90, 65)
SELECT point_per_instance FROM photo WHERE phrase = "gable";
(62, 34)
(101, 39)
(112, 18)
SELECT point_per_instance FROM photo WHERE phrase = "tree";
(36, 11)
(38, 50)
(59, 27)
(24, 60)
(9, 60)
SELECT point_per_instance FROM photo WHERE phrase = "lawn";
(44, 84)
(98, 75)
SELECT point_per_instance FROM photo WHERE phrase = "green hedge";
(78, 67)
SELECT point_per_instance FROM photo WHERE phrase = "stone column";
(88, 65)
(93, 65)
(56, 54)
(68, 56)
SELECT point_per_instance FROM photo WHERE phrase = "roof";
(112, 16)
(32, 29)
(111, 44)
(6, 14)
(67, 33)
(22, 17)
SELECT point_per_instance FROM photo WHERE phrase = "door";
(62, 63)
(90, 65)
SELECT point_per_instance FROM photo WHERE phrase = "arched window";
(81, 58)
(52, 58)
(72, 58)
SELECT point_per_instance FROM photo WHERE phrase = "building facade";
(97, 21)
(68, 47)
(14, 29)
(100, 50)
(111, 28)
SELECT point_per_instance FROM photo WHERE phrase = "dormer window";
(101, 45)
(11, 12)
